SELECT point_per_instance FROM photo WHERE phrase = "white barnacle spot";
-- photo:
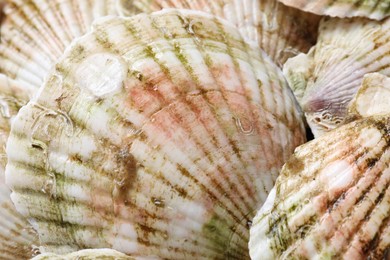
(101, 73)
(336, 176)
(369, 138)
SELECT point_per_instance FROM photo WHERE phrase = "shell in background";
(17, 238)
(153, 138)
(36, 32)
(332, 72)
(331, 199)
(280, 31)
(86, 254)
(372, 97)
(374, 9)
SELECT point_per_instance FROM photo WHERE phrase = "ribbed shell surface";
(35, 33)
(329, 76)
(374, 9)
(280, 31)
(332, 198)
(86, 254)
(17, 238)
(157, 134)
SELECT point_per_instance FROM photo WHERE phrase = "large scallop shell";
(35, 33)
(280, 31)
(17, 238)
(374, 9)
(157, 134)
(332, 198)
(327, 78)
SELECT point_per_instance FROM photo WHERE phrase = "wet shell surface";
(35, 34)
(153, 138)
(332, 198)
(17, 238)
(327, 78)
(280, 31)
(374, 9)
(86, 254)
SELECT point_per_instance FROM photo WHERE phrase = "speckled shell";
(327, 78)
(280, 31)
(374, 9)
(156, 135)
(17, 238)
(86, 254)
(332, 198)
(35, 34)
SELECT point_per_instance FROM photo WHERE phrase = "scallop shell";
(332, 72)
(152, 138)
(332, 198)
(35, 34)
(17, 238)
(372, 97)
(280, 31)
(86, 254)
(374, 9)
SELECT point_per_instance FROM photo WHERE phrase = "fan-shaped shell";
(36, 32)
(332, 72)
(17, 238)
(154, 138)
(374, 9)
(332, 198)
(86, 254)
(280, 31)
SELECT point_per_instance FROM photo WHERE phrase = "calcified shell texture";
(153, 139)
(86, 254)
(35, 33)
(332, 198)
(372, 97)
(280, 31)
(374, 9)
(326, 79)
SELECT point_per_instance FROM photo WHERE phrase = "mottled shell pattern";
(332, 198)
(372, 97)
(280, 31)
(155, 135)
(18, 240)
(87, 254)
(327, 78)
(374, 9)
(35, 34)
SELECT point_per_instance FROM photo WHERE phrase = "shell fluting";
(332, 198)
(280, 31)
(18, 240)
(153, 138)
(332, 72)
(35, 34)
(374, 9)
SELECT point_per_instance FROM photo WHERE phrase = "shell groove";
(86, 254)
(17, 238)
(327, 78)
(35, 34)
(374, 9)
(280, 31)
(332, 198)
(171, 156)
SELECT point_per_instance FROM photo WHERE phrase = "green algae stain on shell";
(169, 158)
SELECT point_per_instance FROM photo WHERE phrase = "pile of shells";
(156, 129)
